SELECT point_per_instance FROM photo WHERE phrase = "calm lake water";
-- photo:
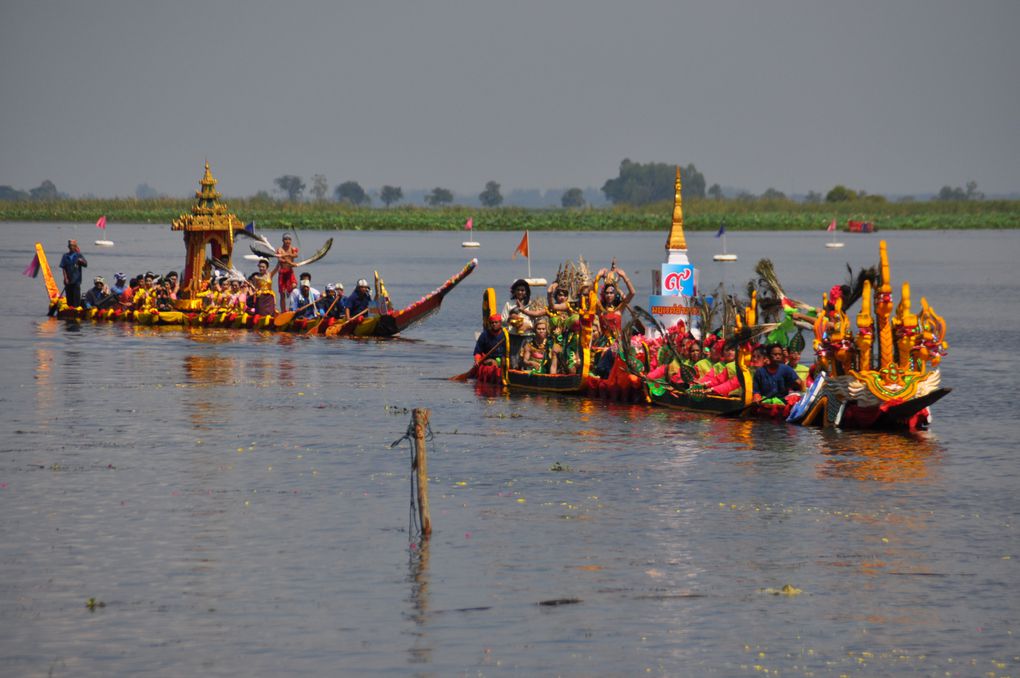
(233, 499)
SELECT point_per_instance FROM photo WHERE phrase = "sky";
(888, 96)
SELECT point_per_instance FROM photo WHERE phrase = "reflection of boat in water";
(210, 229)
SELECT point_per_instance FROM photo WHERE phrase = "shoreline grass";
(699, 215)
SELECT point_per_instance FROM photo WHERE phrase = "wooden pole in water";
(421, 422)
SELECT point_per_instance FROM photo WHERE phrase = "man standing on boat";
(285, 257)
(71, 263)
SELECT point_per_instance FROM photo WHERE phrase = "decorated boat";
(210, 232)
(884, 375)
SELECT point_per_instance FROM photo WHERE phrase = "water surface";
(233, 499)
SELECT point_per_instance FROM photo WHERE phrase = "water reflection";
(418, 575)
(881, 457)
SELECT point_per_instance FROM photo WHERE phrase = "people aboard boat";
(492, 345)
(120, 284)
(304, 298)
(536, 353)
(793, 360)
(611, 303)
(517, 314)
(71, 264)
(173, 285)
(99, 295)
(359, 301)
(286, 254)
(774, 380)
(332, 302)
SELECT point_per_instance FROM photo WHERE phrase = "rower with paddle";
(305, 298)
(491, 347)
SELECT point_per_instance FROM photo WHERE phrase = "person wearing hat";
(305, 298)
(285, 257)
(493, 344)
(332, 302)
(99, 296)
(71, 264)
(360, 299)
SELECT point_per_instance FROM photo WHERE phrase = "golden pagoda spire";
(676, 240)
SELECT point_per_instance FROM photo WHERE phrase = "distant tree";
(639, 184)
(572, 197)
(715, 191)
(972, 192)
(693, 182)
(491, 197)
(840, 193)
(950, 193)
(262, 197)
(8, 193)
(319, 187)
(745, 196)
(773, 194)
(44, 191)
(813, 197)
(957, 193)
(391, 194)
(439, 196)
(145, 192)
(292, 185)
(352, 192)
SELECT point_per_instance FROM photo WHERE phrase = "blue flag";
(722, 229)
(250, 228)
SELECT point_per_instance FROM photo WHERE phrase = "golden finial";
(676, 239)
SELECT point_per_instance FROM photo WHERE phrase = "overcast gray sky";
(887, 96)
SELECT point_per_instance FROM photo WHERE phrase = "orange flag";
(522, 249)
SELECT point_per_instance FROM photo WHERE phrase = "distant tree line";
(636, 184)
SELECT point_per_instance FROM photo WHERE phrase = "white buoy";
(724, 257)
(833, 244)
(104, 243)
(471, 243)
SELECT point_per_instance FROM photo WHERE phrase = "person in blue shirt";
(359, 300)
(775, 379)
(332, 302)
(492, 344)
(305, 298)
(71, 263)
(119, 284)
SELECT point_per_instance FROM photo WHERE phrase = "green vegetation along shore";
(699, 215)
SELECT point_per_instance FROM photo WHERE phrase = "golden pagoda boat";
(210, 233)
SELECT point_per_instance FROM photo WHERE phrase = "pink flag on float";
(832, 226)
(101, 224)
(32, 270)
(469, 224)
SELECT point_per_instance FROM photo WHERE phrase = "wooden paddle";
(334, 330)
(321, 327)
(474, 370)
(285, 317)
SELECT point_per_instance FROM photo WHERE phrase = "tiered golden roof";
(208, 213)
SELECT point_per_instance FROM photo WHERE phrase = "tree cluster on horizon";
(636, 184)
